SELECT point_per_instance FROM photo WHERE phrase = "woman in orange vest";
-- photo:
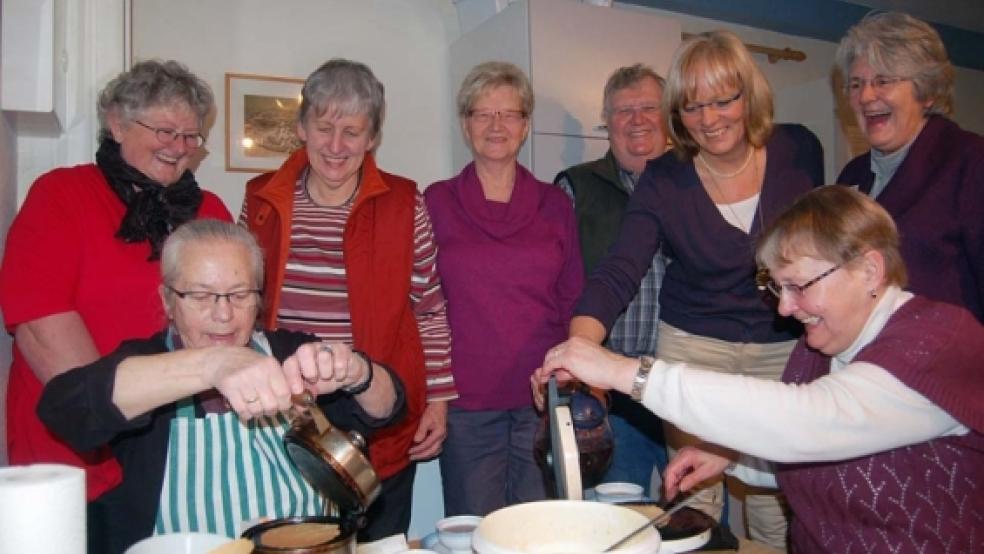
(350, 257)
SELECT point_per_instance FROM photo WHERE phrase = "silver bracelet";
(641, 377)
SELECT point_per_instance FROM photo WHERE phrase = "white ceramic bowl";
(455, 532)
(568, 526)
(179, 543)
(618, 491)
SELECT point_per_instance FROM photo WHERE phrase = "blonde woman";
(732, 171)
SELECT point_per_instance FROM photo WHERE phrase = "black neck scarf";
(152, 209)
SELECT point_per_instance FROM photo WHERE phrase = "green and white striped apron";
(222, 473)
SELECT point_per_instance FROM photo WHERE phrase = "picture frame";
(260, 121)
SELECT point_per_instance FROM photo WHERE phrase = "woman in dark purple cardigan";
(923, 168)
(731, 173)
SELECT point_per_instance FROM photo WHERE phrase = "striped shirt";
(314, 296)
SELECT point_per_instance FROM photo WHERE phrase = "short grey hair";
(897, 44)
(489, 75)
(149, 84)
(625, 77)
(206, 230)
(347, 87)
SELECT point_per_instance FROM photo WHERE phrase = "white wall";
(405, 42)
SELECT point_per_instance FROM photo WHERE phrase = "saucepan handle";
(305, 402)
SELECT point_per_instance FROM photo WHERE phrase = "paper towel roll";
(42, 509)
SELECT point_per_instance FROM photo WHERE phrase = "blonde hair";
(897, 44)
(489, 75)
(834, 223)
(720, 61)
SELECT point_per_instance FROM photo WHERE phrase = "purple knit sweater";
(511, 273)
(927, 497)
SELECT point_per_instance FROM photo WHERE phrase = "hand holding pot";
(589, 362)
(328, 366)
(252, 384)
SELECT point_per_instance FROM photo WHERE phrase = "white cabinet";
(568, 49)
(34, 64)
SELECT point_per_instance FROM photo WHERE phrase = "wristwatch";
(641, 377)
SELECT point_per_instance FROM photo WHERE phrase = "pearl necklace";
(727, 204)
(720, 175)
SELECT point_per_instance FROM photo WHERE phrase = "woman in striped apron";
(195, 413)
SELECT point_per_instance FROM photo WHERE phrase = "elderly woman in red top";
(350, 258)
(878, 422)
(81, 267)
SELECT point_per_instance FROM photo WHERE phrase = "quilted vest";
(600, 202)
(378, 251)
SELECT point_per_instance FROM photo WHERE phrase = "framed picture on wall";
(260, 116)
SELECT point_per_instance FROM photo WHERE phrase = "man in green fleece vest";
(600, 190)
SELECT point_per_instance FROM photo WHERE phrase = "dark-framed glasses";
(764, 281)
(509, 117)
(879, 84)
(721, 104)
(206, 300)
(167, 136)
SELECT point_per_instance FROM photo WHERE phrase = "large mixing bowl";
(562, 526)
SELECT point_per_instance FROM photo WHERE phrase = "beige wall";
(404, 42)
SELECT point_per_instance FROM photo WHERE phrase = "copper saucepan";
(331, 459)
(333, 462)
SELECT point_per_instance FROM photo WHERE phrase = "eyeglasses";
(880, 84)
(627, 112)
(509, 117)
(695, 108)
(206, 300)
(167, 136)
(765, 282)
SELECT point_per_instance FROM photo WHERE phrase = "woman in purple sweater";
(510, 265)
(923, 168)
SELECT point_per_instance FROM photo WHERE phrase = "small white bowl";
(618, 491)
(179, 543)
(455, 532)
